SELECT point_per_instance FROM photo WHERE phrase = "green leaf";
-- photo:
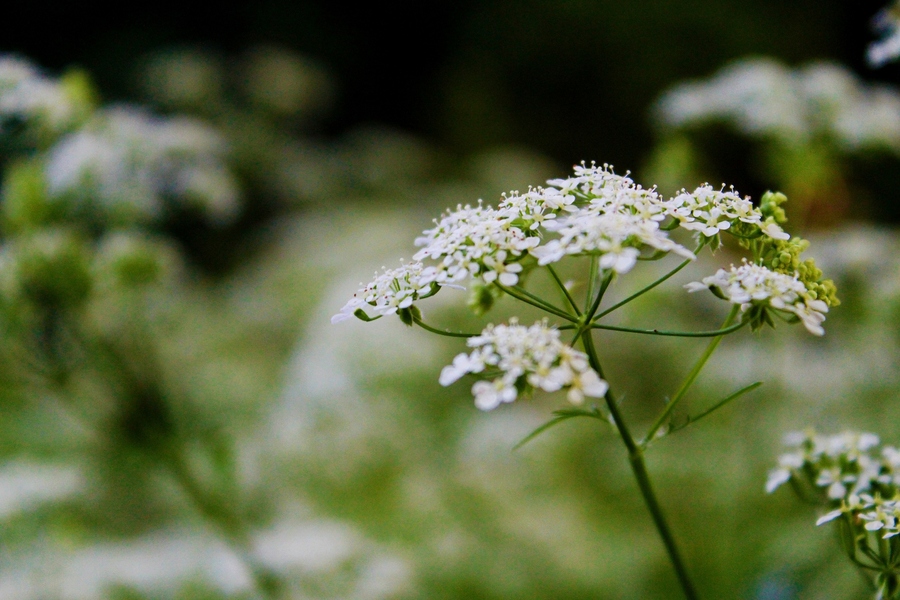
(560, 416)
(719, 405)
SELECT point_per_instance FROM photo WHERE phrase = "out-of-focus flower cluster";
(887, 49)
(130, 165)
(36, 107)
(80, 183)
(762, 97)
(528, 358)
(848, 473)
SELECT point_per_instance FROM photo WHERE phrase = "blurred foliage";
(178, 419)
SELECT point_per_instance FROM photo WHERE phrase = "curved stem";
(428, 327)
(688, 334)
(644, 290)
(528, 298)
(692, 375)
(639, 468)
(565, 291)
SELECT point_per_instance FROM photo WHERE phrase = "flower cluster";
(29, 97)
(391, 291)
(616, 220)
(479, 242)
(754, 285)
(849, 476)
(710, 211)
(527, 358)
(839, 463)
(766, 99)
(134, 164)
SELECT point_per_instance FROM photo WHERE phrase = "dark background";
(572, 79)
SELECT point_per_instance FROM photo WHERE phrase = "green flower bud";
(131, 260)
(80, 90)
(770, 206)
(481, 298)
(25, 204)
(52, 269)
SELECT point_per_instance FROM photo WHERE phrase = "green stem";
(592, 279)
(688, 334)
(695, 371)
(520, 294)
(428, 327)
(639, 468)
(565, 291)
(230, 525)
(644, 290)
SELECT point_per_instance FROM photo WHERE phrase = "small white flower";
(534, 353)
(751, 283)
(476, 242)
(392, 290)
(710, 211)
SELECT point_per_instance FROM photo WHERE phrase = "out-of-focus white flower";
(764, 98)
(390, 291)
(887, 49)
(135, 165)
(532, 356)
(27, 95)
(839, 463)
(754, 284)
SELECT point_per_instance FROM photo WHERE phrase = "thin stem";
(565, 291)
(222, 518)
(428, 327)
(592, 278)
(688, 334)
(644, 290)
(695, 371)
(639, 468)
(520, 294)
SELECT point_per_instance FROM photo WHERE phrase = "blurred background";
(189, 192)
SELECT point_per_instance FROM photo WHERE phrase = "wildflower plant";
(858, 482)
(617, 224)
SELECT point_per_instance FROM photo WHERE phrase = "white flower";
(614, 218)
(766, 99)
(390, 291)
(475, 242)
(710, 211)
(887, 49)
(534, 354)
(134, 164)
(28, 95)
(750, 283)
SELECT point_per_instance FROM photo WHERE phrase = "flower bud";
(52, 269)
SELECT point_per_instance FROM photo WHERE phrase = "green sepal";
(848, 540)
(717, 292)
(432, 290)
(713, 242)
(409, 315)
(482, 298)
(362, 316)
